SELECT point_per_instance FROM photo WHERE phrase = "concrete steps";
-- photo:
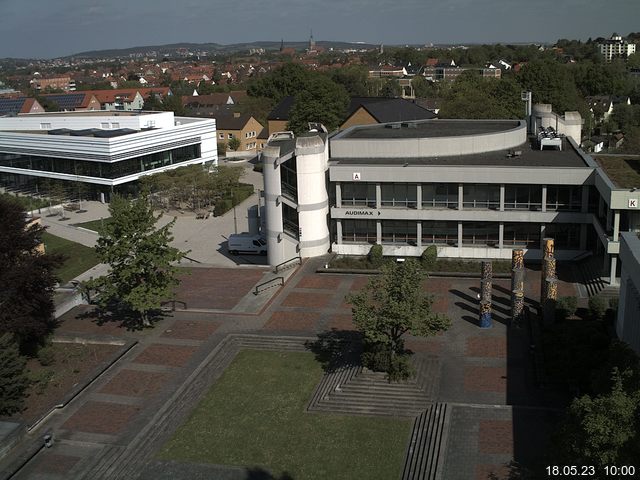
(590, 274)
(424, 457)
(353, 390)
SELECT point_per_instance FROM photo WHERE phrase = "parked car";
(245, 243)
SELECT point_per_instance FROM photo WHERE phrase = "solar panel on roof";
(11, 105)
(70, 100)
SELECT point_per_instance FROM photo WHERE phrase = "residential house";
(74, 102)
(374, 110)
(66, 84)
(15, 106)
(243, 127)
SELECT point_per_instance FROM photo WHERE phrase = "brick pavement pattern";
(485, 379)
(191, 329)
(495, 436)
(307, 300)
(487, 347)
(135, 383)
(172, 355)
(293, 321)
(101, 417)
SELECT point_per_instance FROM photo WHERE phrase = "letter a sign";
(355, 176)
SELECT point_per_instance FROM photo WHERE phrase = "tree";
(141, 274)
(603, 430)
(13, 381)
(282, 82)
(322, 101)
(234, 144)
(27, 278)
(391, 305)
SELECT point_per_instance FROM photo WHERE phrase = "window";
(522, 197)
(359, 231)
(104, 125)
(45, 126)
(522, 235)
(289, 179)
(221, 136)
(480, 233)
(564, 198)
(565, 235)
(359, 194)
(481, 196)
(400, 195)
(399, 232)
(290, 220)
(441, 233)
(230, 135)
(115, 124)
(440, 195)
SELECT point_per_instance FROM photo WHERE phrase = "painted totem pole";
(549, 283)
(485, 295)
(517, 287)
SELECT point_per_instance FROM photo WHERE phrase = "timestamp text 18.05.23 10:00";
(590, 471)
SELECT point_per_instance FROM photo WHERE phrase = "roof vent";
(393, 125)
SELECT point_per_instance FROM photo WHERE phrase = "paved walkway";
(497, 413)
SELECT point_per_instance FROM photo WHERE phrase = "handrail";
(191, 259)
(257, 289)
(278, 267)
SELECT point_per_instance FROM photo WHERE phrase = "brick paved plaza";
(484, 375)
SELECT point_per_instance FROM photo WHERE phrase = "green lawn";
(255, 416)
(79, 257)
(94, 225)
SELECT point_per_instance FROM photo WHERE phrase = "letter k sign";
(633, 203)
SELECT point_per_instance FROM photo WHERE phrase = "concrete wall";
(569, 124)
(628, 321)
(345, 147)
(84, 120)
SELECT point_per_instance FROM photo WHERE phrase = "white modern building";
(616, 47)
(105, 150)
(475, 188)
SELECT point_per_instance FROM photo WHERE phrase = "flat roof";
(622, 170)
(91, 113)
(530, 156)
(429, 129)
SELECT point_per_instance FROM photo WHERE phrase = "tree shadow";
(117, 313)
(257, 473)
(336, 348)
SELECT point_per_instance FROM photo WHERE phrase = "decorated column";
(485, 295)
(517, 287)
(550, 292)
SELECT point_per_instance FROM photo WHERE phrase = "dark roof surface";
(230, 122)
(67, 100)
(432, 129)
(390, 109)
(11, 105)
(530, 157)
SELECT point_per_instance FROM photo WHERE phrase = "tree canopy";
(141, 273)
(13, 381)
(389, 306)
(321, 100)
(27, 278)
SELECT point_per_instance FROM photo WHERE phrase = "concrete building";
(628, 321)
(475, 188)
(107, 151)
(616, 47)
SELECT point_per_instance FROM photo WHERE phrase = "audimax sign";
(360, 213)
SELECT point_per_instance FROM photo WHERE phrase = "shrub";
(565, 307)
(222, 206)
(377, 357)
(429, 256)
(597, 307)
(222, 148)
(46, 356)
(40, 380)
(375, 255)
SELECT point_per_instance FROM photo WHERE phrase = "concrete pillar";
(584, 206)
(419, 196)
(338, 195)
(543, 229)
(459, 234)
(378, 232)
(616, 226)
(339, 231)
(612, 270)
(460, 196)
(419, 233)
(378, 196)
(544, 199)
(502, 198)
(583, 236)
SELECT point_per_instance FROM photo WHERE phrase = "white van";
(245, 243)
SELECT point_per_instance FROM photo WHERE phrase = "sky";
(54, 28)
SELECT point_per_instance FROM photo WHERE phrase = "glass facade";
(403, 232)
(565, 235)
(399, 195)
(289, 179)
(359, 231)
(440, 233)
(522, 235)
(359, 194)
(89, 168)
(523, 197)
(481, 196)
(480, 233)
(440, 195)
(564, 198)
(290, 220)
